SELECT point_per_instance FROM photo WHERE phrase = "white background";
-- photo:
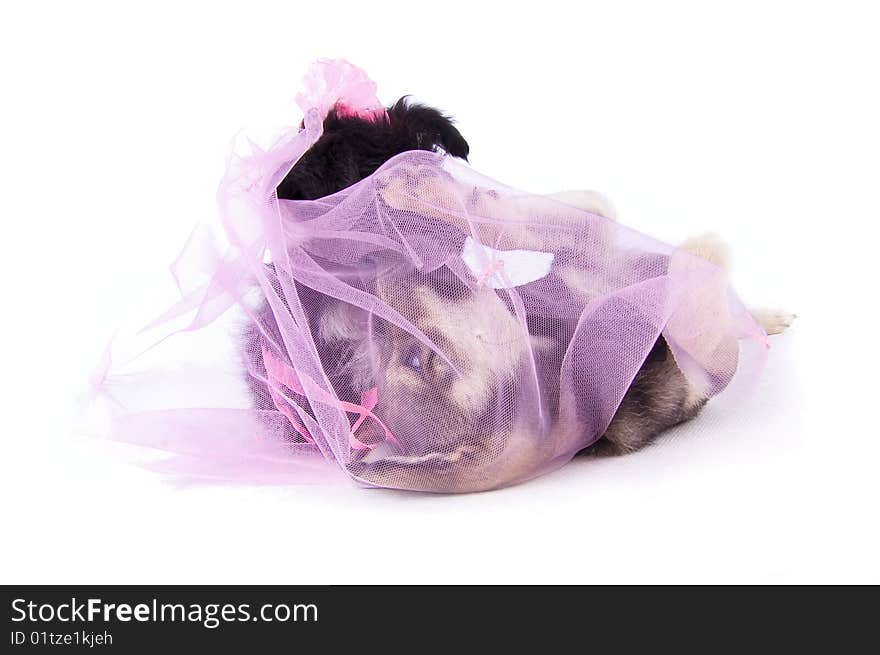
(758, 121)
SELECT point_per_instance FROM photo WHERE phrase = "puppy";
(445, 396)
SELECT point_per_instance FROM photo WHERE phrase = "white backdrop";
(759, 121)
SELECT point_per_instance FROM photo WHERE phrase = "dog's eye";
(412, 358)
(419, 360)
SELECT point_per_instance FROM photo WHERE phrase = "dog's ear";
(427, 127)
(325, 168)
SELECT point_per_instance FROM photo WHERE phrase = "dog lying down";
(430, 329)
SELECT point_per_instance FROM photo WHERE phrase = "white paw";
(710, 247)
(773, 321)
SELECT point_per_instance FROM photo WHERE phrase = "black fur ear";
(427, 127)
(325, 168)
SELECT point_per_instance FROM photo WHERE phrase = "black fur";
(656, 400)
(352, 148)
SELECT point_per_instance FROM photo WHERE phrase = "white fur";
(339, 324)
(710, 247)
(773, 321)
(486, 333)
(589, 201)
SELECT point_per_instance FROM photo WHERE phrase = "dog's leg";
(590, 201)
(710, 247)
(773, 321)
(713, 249)
(660, 396)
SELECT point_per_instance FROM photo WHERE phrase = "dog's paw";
(773, 321)
(710, 247)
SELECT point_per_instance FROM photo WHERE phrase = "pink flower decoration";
(336, 82)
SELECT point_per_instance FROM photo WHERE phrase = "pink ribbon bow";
(280, 374)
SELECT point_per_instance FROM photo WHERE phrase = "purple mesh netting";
(431, 329)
